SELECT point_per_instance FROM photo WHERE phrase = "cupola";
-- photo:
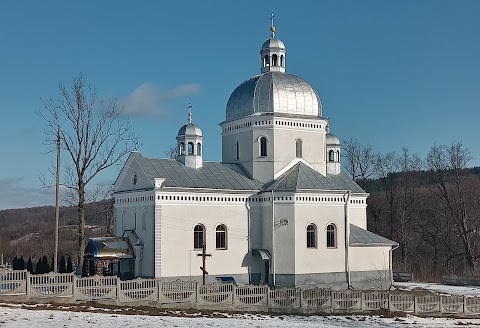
(190, 144)
(333, 154)
(273, 52)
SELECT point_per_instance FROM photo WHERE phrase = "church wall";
(358, 215)
(370, 258)
(313, 147)
(133, 205)
(320, 259)
(178, 257)
(245, 139)
(285, 239)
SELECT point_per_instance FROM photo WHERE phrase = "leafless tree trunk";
(360, 160)
(447, 165)
(386, 166)
(94, 136)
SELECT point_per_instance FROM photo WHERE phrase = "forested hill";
(433, 215)
(29, 232)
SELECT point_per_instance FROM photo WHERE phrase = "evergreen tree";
(30, 265)
(69, 265)
(21, 263)
(15, 263)
(38, 267)
(61, 266)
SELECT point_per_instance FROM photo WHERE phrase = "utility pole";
(204, 255)
(57, 203)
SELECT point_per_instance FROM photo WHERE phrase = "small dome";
(273, 43)
(332, 140)
(190, 129)
(273, 92)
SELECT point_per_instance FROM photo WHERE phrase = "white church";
(276, 210)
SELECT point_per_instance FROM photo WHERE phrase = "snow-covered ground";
(17, 315)
(77, 316)
(440, 289)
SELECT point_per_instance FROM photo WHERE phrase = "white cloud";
(151, 101)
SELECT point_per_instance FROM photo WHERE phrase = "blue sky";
(392, 74)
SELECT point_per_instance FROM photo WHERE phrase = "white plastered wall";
(178, 219)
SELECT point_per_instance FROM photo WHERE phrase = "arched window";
(281, 61)
(338, 155)
(221, 237)
(144, 218)
(198, 236)
(298, 148)
(190, 148)
(331, 156)
(274, 60)
(237, 150)
(199, 149)
(182, 148)
(311, 236)
(266, 61)
(263, 146)
(331, 236)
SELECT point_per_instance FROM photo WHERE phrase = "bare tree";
(172, 152)
(94, 136)
(447, 164)
(359, 160)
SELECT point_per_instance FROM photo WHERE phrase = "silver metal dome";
(273, 92)
(332, 140)
(190, 129)
(273, 43)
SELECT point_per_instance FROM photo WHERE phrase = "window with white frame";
(311, 236)
(331, 236)
(198, 236)
(221, 237)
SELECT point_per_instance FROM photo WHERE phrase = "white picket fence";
(157, 292)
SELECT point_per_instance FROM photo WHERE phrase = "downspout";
(273, 239)
(390, 260)
(347, 241)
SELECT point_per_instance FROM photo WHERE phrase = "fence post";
(234, 298)
(118, 290)
(159, 289)
(27, 286)
(301, 297)
(415, 300)
(390, 306)
(74, 290)
(440, 304)
(197, 292)
(464, 304)
(331, 300)
(268, 298)
(362, 301)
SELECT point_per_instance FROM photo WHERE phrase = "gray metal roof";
(362, 237)
(303, 177)
(273, 92)
(273, 43)
(190, 129)
(212, 175)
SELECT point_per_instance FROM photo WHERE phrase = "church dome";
(273, 43)
(332, 140)
(273, 92)
(190, 129)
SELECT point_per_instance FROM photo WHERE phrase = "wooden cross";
(204, 255)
